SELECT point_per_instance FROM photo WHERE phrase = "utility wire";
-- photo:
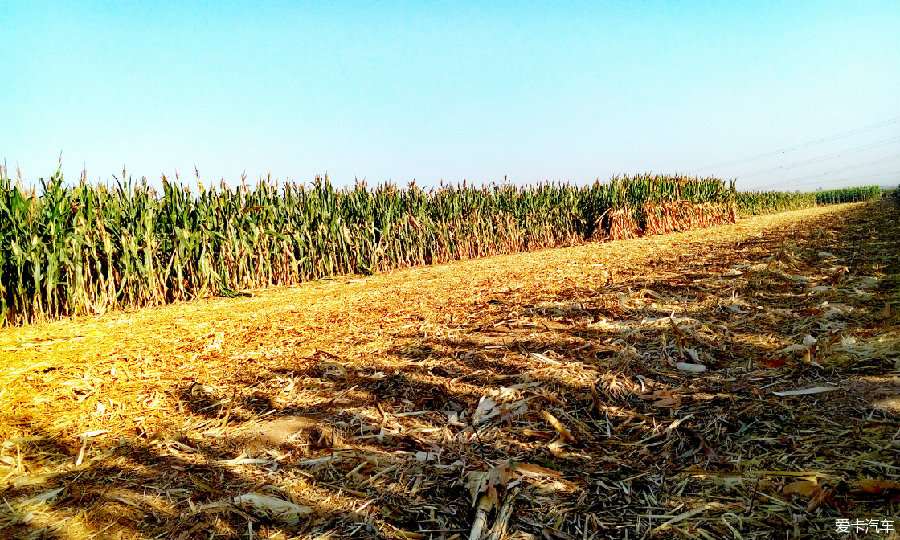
(895, 174)
(825, 157)
(845, 134)
(847, 168)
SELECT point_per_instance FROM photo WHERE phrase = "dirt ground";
(611, 390)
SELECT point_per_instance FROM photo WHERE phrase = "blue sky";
(398, 91)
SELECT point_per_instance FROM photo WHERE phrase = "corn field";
(845, 195)
(84, 249)
(765, 202)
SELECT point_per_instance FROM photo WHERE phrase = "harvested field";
(610, 390)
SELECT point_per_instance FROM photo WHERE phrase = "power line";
(825, 157)
(847, 168)
(845, 134)
(831, 181)
(852, 167)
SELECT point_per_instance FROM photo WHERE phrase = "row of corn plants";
(765, 202)
(83, 249)
(850, 194)
(768, 202)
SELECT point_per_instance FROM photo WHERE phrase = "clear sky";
(398, 91)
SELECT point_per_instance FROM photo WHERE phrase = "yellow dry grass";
(392, 405)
